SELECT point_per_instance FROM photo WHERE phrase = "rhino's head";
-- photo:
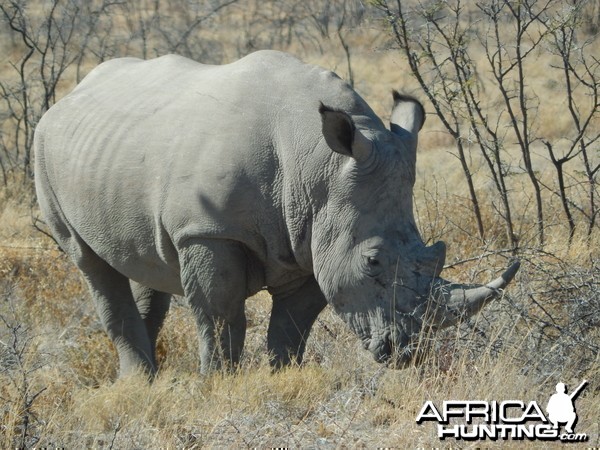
(368, 256)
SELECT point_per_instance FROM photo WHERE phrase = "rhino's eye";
(372, 261)
(373, 266)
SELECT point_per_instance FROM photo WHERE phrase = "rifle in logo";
(561, 406)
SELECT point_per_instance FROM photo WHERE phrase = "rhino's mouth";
(394, 353)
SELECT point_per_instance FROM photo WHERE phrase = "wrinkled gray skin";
(171, 177)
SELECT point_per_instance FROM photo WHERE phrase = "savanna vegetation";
(507, 168)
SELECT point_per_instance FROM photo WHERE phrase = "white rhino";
(169, 177)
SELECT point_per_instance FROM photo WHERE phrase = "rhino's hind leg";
(119, 314)
(109, 289)
(153, 307)
(292, 318)
(214, 279)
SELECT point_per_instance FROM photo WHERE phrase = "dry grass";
(58, 368)
(52, 344)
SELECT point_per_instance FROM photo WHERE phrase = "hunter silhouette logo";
(561, 407)
(509, 419)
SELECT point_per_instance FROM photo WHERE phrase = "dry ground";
(57, 367)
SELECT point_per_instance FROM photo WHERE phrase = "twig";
(476, 258)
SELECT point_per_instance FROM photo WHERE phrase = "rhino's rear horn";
(431, 259)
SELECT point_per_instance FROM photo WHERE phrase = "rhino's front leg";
(213, 273)
(292, 318)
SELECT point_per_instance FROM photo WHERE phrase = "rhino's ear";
(408, 117)
(341, 134)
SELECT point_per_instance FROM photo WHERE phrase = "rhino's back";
(143, 155)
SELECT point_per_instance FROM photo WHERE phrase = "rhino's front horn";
(461, 301)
